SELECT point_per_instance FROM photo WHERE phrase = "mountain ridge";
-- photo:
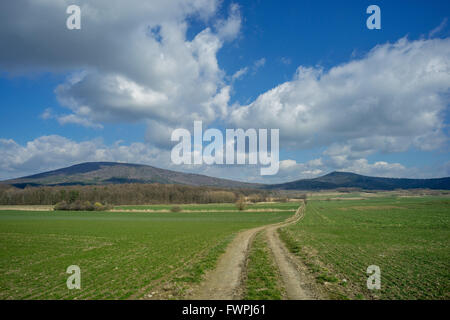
(101, 173)
(92, 173)
(342, 179)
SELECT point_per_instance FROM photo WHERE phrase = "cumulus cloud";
(228, 29)
(129, 62)
(378, 168)
(53, 152)
(392, 99)
(291, 170)
(77, 119)
(133, 61)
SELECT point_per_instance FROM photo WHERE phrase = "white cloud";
(438, 29)
(76, 119)
(258, 64)
(132, 61)
(239, 74)
(287, 164)
(47, 114)
(378, 168)
(53, 152)
(392, 99)
(229, 29)
(243, 71)
(129, 62)
(291, 170)
(285, 60)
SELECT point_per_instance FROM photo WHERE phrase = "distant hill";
(336, 180)
(100, 173)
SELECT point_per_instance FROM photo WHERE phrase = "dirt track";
(226, 281)
(27, 208)
(297, 284)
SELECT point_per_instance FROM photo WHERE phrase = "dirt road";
(298, 285)
(27, 208)
(226, 282)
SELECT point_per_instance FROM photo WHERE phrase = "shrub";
(61, 206)
(81, 206)
(88, 206)
(254, 198)
(240, 204)
(76, 206)
(98, 206)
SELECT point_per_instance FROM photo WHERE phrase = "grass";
(212, 206)
(263, 279)
(408, 238)
(121, 255)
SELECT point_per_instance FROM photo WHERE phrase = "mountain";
(336, 180)
(98, 173)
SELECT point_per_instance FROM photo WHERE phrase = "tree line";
(116, 194)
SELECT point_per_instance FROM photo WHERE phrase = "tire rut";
(226, 281)
(294, 282)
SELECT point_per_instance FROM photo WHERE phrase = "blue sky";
(319, 32)
(43, 127)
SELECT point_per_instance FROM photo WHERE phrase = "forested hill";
(102, 173)
(337, 180)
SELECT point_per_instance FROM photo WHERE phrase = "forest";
(116, 194)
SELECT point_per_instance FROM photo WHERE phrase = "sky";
(344, 97)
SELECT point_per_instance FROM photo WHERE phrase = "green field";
(125, 255)
(214, 206)
(121, 255)
(408, 238)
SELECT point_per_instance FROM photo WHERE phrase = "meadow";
(162, 254)
(407, 237)
(292, 206)
(121, 255)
